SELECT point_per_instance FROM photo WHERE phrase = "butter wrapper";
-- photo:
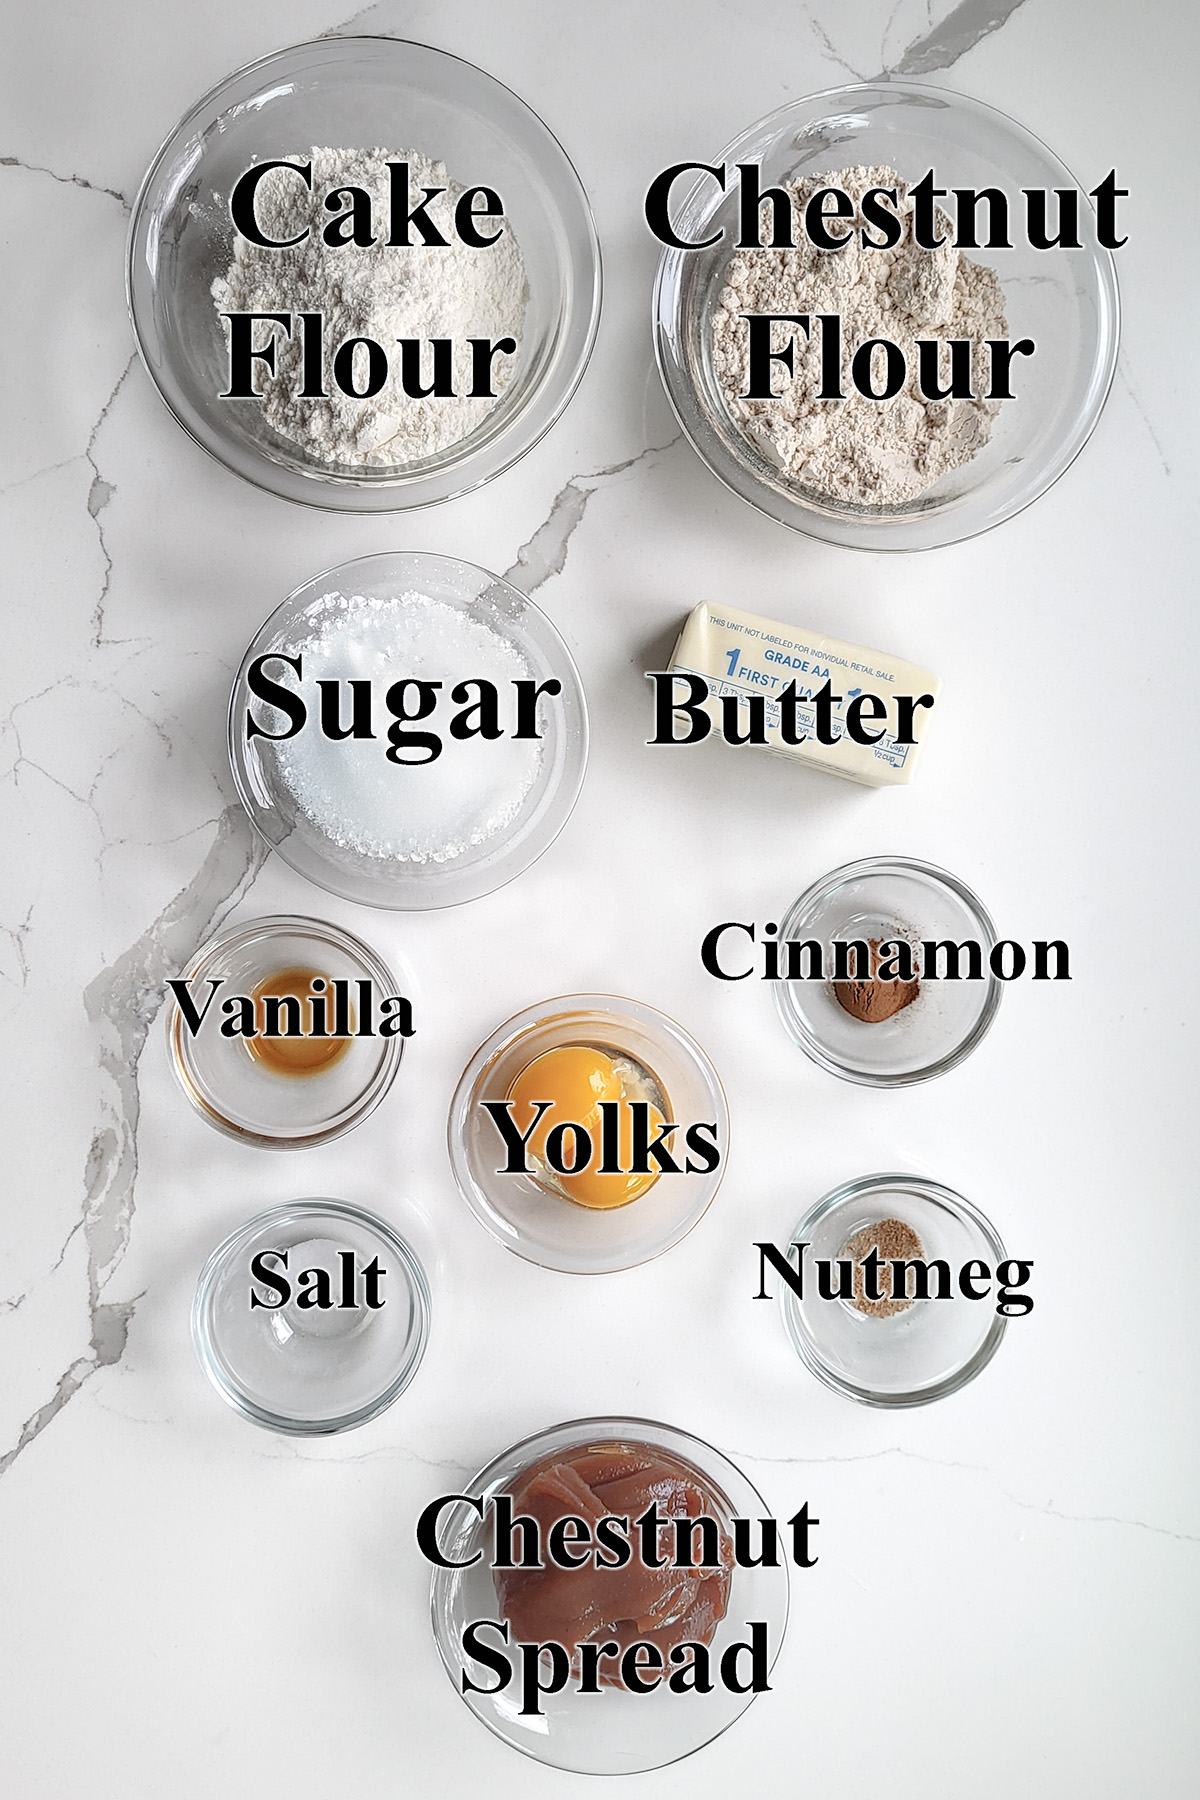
(738, 653)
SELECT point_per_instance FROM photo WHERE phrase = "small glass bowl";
(541, 1226)
(612, 1732)
(933, 1347)
(232, 1088)
(310, 1371)
(1065, 300)
(889, 897)
(358, 92)
(341, 869)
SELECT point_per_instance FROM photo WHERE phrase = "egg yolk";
(576, 1079)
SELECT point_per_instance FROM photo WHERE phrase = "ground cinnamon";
(872, 1000)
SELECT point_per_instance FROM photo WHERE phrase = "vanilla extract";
(287, 1048)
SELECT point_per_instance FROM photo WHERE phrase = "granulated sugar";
(429, 812)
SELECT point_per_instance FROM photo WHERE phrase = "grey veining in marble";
(1050, 1509)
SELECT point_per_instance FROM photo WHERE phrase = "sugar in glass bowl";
(358, 92)
(321, 832)
(1065, 300)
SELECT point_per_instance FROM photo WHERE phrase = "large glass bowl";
(612, 1732)
(1065, 300)
(348, 92)
(336, 865)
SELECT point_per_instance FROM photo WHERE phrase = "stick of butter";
(738, 654)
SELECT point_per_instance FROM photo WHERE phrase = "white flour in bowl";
(374, 292)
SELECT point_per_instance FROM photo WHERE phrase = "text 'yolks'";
(575, 1079)
(293, 1055)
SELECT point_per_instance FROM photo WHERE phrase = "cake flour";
(375, 292)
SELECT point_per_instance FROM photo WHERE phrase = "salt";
(430, 812)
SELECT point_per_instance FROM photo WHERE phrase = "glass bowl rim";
(609, 1425)
(322, 493)
(507, 1034)
(839, 527)
(388, 1067)
(582, 725)
(314, 1207)
(798, 1031)
(954, 1202)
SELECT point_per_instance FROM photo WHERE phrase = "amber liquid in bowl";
(293, 1055)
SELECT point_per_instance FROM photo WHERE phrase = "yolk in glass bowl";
(576, 1079)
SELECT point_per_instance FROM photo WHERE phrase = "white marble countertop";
(1007, 1590)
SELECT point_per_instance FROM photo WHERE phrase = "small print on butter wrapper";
(737, 653)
